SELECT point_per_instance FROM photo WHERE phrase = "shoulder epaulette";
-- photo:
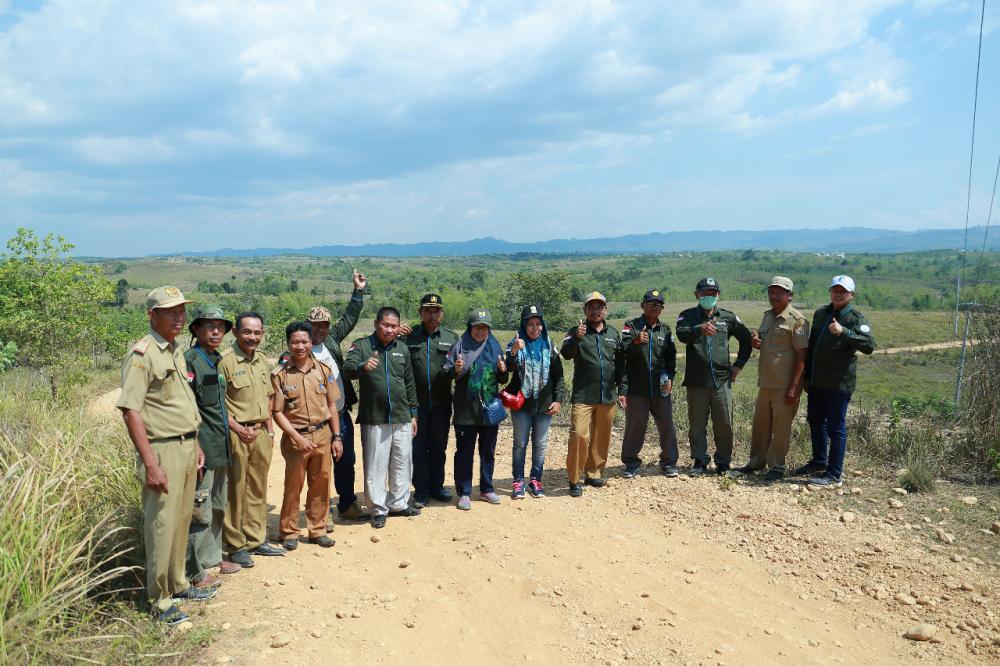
(141, 346)
(226, 352)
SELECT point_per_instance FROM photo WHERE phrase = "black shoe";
(408, 512)
(773, 475)
(810, 468)
(290, 544)
(746, 469)
(443, 495)
(698, 470)
(631, 471)
(193, 593)
(324, 541)
(242, 558)
(721, 469)
(595, 482)
(172, 616)
(575, 489)
(420, 501)
(669, 471)
(267, 550)
(378, 521)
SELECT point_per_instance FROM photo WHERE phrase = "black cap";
(431, 301)
(708, 283)
(654, 295)
(531, 311)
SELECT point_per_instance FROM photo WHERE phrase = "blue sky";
(136, 128)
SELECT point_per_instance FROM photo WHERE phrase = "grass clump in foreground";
(67, 535)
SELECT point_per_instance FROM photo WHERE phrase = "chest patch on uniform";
(290, 387)
(865, 328)
(397, 354)
(190, 377)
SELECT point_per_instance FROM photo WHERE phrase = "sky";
(138, 128)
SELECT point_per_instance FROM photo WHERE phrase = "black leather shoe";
(242, 558)
(808, 469)
(290, 544)
(267, 550)
(443, 495)
(596, 483)
(324, 541)
(746, 469)
(721, 469)
(773, 475)
(408, 512)
(378, 521)
(575, 489)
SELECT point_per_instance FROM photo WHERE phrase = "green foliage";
(548, 289)
(8, 356)
(918, 476)
(50, 306)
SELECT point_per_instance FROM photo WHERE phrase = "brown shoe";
(354, 512)
(227, 567)
(208, 582)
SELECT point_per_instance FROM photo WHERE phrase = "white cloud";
(121, 150)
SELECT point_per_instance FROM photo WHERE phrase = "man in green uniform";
(650, 365)
(709, 374)
(205, 535)
(838, 333)
(429, 344)
(162, 419)
(595, 349)
(251, 433)
(331, 336)
(782, 341)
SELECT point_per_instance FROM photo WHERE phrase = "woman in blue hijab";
(477, 364)
(538, 375)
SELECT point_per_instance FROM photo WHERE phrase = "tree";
(547, 289)
(121, 293)
(50, 306)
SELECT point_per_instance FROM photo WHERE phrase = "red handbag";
(512, 401)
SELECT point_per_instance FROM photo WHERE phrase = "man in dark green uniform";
(709, 374)
(650, 365)
(332, 335)
(838, 333)
(204, 549)
(429, 344)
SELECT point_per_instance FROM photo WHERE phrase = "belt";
(190, 435)
(250, 423)
(312, 428)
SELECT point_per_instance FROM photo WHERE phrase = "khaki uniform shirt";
(155, 384)
(780, 336)
(248, 386)
(301, 396)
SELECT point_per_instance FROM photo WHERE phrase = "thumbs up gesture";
(372, 362)
(501, 365)
(459, 364)
(644, 336)
(581, 330)
(517, 344)
(360, 281)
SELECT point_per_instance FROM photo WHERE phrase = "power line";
(989, 215)
(972, 148)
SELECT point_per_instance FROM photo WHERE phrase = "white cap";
(844, 281)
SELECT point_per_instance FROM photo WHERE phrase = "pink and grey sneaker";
(535, 488)
(517, 490)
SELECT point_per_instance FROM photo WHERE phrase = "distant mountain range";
(851, 240)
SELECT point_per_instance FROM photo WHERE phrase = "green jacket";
(645, 363)
(388, 394)
(427, 354)
(209, 387)
(552, 391)
(598, 367)
(830, 360)
(338, 332)
(707, 359)
(468, 410)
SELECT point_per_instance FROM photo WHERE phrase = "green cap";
(479, 316)
(210, 311)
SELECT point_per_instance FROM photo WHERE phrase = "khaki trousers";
(589, 439)
(245, 523)
(165, 519)
(772, 429)
(205, 535)
(313, 468)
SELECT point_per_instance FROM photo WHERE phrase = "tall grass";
(67, 528)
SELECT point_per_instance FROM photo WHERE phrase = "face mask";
(708, 302)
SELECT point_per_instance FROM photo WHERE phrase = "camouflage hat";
(781, 281)
(479, 316)
(209, 311)
(165, 297)
(319, 313)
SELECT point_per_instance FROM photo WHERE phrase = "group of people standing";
(202, 420)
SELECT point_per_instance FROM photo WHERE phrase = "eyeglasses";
(655, 306)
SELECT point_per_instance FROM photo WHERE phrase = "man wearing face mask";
(709, 374)
(838, 333)
(783, 338)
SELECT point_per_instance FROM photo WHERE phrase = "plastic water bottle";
(663, 381)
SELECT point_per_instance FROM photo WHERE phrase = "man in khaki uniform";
(248, 403)
(162, 419)
(782, 341)
(305, 408)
